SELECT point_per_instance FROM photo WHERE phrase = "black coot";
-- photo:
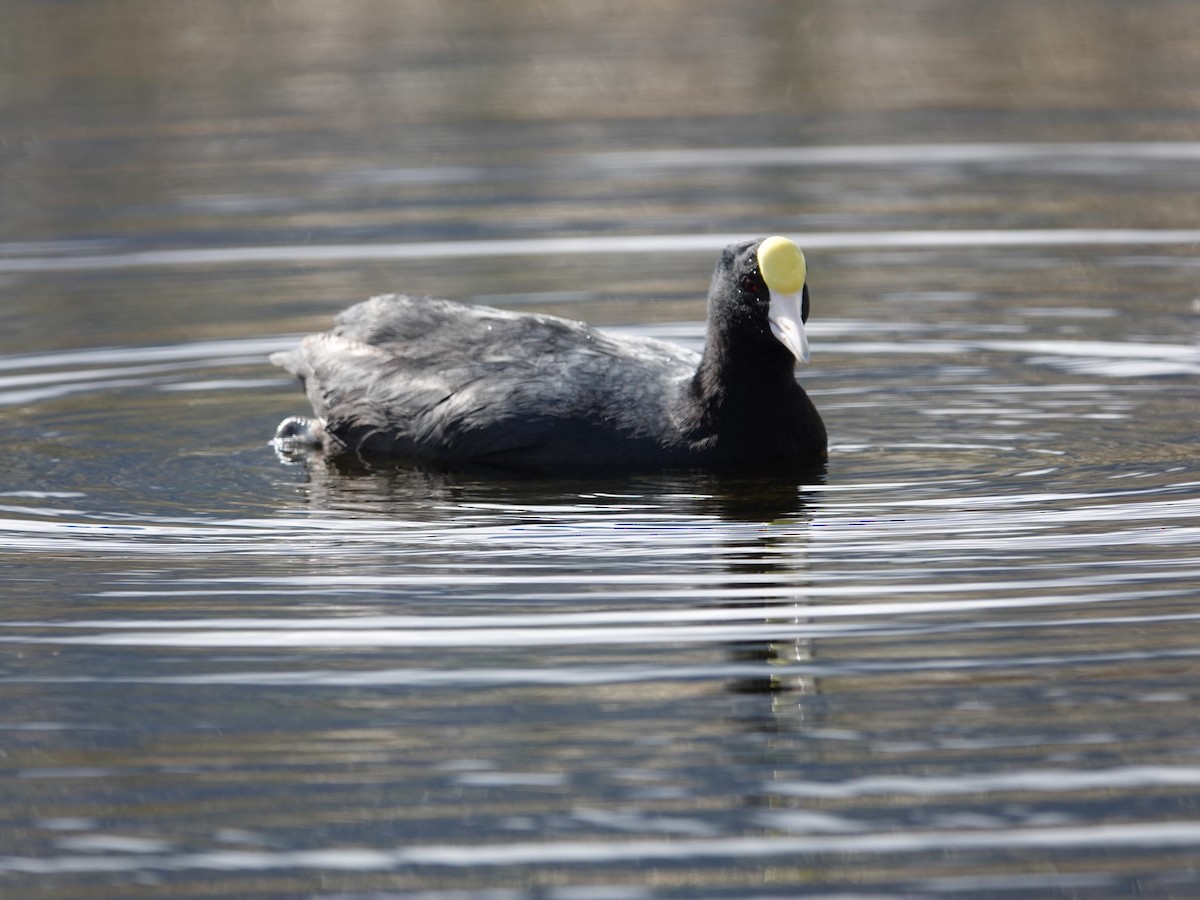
(418, 378)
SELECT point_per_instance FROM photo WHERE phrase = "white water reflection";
(1184, 833)
(1042, 781)
(1138, 155)
(585, 246)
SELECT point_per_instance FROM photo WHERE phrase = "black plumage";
(420, 378)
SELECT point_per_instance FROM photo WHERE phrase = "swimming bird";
(427, 379)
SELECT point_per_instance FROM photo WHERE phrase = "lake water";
(962, 664)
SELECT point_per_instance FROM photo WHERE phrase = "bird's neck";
(737, 381)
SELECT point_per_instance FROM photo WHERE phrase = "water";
(963, 663)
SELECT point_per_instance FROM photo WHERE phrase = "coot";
(426, 379)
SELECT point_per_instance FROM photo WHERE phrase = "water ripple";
(1181, 833)
(603, 245)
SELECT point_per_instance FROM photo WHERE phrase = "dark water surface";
(964, 663)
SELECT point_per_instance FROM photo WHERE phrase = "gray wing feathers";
(408, 375)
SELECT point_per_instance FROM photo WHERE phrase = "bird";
(431, 380)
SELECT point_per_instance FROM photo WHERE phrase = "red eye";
(751, 285)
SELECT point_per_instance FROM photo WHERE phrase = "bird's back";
(414, 376)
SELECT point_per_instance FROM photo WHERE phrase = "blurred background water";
(964, 663)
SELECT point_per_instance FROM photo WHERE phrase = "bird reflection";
(754, 529)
